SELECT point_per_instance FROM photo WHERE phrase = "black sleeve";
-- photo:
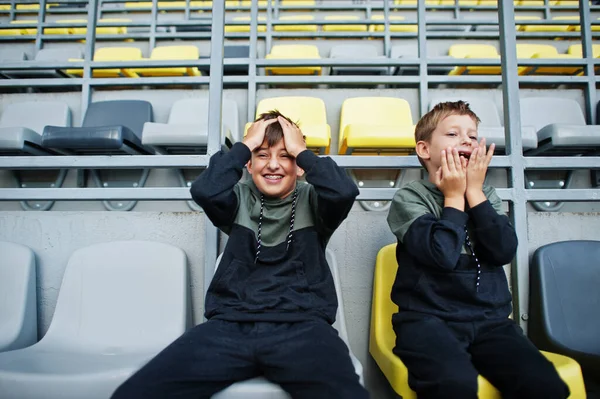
(335, 190)
(214, 191)
(496, 237)
(437, 242)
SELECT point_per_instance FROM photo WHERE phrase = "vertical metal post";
(514, 146)
(186, 14)
(40, 29)
(252, 61)
(586, 47)
(90, 44)
(215, 102)
(153, 19)
(269, 25)
(422, 44)
(387, 40)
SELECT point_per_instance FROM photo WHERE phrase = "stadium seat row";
(118, 331)
(375, 125)
(109, 292)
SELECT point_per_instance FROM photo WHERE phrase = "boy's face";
(273, 170)
(455, 131)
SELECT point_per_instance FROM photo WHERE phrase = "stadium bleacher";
(129, 97)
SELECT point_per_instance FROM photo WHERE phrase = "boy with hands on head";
(272, 300)
(454, 304)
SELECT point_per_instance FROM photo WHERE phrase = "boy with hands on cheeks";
(451, 290)
(272, 300)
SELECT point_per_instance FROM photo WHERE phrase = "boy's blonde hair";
(441, 111)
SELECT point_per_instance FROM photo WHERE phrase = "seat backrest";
(58, 54)
(353, 51)
(541, 111)
(388, 111)
(303, 110)
(295, 51)
(527, 50)
(10, 55)
(472, 51)
(35, 115)
(236, 51)
(121, 295)
(118, 54)
(565, 277)
(485, 109)
(577, 51)
(194, 111)
(175, 53)
(129, 113)
(382, 307)
(18, 305)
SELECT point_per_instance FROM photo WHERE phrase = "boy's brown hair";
(441, 111)
(273, 132)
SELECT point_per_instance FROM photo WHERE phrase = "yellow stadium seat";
(576, 50)
(488, 3)
(294, 51)
(112, 54)
(308, 112)
(525, 18)
(248, 3)
(10, 32)
(383, 339)
(245, 28)
(414, 2)
(474, 51)
(393, 28)
(296, 3)
(26, 31)
(376, 125)
(553, 28)
(34, 6)
(343, 28)
(296, 28)
(525, 50)
(4, 7)
(177, 4)
(172, 53)
(594, 28)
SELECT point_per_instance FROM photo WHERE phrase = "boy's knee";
(546, 385)
(450, 382)
(130, 389)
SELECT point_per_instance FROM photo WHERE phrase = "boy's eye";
(262, 156)
(474, 138)
(451, 134)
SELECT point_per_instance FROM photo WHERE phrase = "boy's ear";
(249, 166)
(422, 149)
(299, 171)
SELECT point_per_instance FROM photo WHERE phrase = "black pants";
(308, 359)
(444, 358)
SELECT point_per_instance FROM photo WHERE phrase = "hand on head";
(256, 133)
(292, 137)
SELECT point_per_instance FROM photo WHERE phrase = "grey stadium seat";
(491, 125)
(21, 127)
(18, 308)
(560, 126)
(186, 132)
(10, 55)
(561, 130)
(48, 55)
(401, 51)
(109, 128)
(230, 51)
(259, 387)
(360, 51)
(120, 303)
(564, 303)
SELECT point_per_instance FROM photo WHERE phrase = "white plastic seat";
(18, 306)
(105, 324)
(491, 125)
(260, 388)
(186, 131)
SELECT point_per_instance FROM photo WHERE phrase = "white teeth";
(273, 177)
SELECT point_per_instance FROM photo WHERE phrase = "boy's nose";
(273, 164)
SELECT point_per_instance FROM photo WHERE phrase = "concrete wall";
(55, 235)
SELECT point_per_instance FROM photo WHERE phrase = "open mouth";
(273, 178)
(464, 154)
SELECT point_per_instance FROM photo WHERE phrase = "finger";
(490, 153)
(444, 162)
(438, 176)
(473, 158)
(463, 162)
(482, 148)
(457, 161)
